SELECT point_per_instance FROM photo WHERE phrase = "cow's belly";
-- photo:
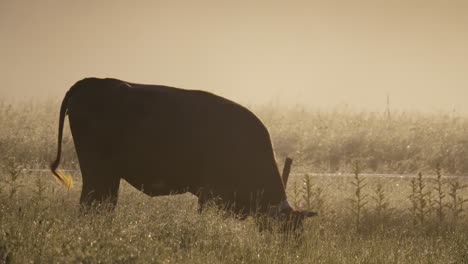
(156, 187)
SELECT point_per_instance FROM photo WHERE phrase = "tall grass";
(45, 227)
(362, 220)
(329, 141)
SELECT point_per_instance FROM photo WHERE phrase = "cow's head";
(289, 219)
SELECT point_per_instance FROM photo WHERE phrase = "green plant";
(381, 202)
(419, 200)
(307, 191)
(13, 169)
(312, 195)
(456, 203)
(319, 199)
(359, 200)
(440, 195)
(40, 189)
(296, 196)
(414, 202)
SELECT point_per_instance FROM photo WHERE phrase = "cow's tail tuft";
(61, 176)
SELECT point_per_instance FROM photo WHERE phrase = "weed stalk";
(358, 201)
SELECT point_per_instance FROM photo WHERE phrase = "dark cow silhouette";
(165, 140)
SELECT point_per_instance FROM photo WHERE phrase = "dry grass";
(401, 220)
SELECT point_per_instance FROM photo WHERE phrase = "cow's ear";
(306, 214)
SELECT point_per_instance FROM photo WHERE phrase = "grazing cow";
(165, 140)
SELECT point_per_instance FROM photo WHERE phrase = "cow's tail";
(63, 177)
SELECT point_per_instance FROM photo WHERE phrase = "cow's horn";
(286, 170)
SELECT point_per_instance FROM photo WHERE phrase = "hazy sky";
(316, 53)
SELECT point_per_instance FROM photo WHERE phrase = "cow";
(165, 140)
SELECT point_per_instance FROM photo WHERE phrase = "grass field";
(362, 220)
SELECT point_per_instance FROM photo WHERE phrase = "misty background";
(319, 54)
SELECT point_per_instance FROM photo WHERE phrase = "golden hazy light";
(312, 53)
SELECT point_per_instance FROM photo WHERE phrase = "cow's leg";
(99, 149)
(200, 206)
(202, 200)
(101, 180)
(206, 198)
(101, 191)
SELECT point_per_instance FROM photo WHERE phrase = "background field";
(362, 220)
